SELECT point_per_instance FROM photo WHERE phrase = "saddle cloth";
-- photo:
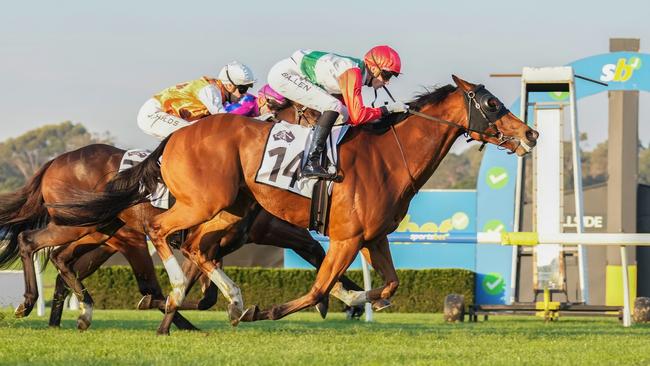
(284, 156)
(134, 157)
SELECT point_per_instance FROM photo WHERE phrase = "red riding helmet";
(385, 58)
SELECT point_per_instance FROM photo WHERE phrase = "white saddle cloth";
(134, 157)
(284, 156)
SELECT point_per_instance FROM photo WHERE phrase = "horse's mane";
(426, 98)
(431, 97)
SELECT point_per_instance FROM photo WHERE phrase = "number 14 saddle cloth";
(284, 157)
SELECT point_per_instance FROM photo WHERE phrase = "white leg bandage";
(349, 297)
(176, 278)
(227, 287)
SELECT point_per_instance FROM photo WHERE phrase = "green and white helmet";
(236, 73)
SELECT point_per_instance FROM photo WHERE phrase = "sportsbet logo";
(622, 71)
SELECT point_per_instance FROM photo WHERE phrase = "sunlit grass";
(128, 337)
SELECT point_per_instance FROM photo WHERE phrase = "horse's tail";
(21, 210)
(128, 188)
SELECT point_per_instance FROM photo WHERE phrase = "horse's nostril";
(532, 135)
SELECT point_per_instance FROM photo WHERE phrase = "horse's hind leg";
(179, 217)
(83, 265)
(192, 274)
(162, 226)
(31, 241)
(205, 238)
(58, 300)
(61, 258)
(132, 245)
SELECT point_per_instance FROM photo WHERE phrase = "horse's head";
(489, 121)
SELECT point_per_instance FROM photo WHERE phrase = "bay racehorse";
(89, 168)
(210, 168)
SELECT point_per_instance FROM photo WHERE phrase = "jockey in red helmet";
(311, 78)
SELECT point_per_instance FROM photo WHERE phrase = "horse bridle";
(483, 111)
(479, 100)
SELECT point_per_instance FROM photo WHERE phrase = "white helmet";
(236, 73)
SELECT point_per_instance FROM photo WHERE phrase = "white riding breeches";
(286, 78)
(153, 121)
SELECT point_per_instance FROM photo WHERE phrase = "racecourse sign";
(435, 212)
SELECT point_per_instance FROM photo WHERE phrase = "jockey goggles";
(386, 75)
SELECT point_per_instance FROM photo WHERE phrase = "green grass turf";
(128, 337)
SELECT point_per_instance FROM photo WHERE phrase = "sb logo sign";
(621, 71)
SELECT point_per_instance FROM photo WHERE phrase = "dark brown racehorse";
(25, 210)
(381, 172)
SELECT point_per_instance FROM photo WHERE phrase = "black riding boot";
(313, 168)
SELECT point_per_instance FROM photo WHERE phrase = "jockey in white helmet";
(182, 104)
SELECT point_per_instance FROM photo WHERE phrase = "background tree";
(21, 156)
(457, 171)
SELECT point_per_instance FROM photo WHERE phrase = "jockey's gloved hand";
(396, 107)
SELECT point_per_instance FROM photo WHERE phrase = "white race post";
(367, 284)
(627, 317)
(583, 271)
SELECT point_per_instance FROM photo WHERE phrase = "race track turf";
(128, 337)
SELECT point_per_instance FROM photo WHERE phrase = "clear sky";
(96, 62)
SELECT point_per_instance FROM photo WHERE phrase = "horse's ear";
(464, 85)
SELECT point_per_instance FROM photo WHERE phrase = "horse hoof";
(234, 314)
(162, 332)
(354, 312)
(145, 302)
(83, 324)
(23, 310)
(381, 304)
(249, 314)
(322, 308)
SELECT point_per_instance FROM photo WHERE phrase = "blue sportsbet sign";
(431, 211)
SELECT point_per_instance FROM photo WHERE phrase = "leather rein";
(471, 97)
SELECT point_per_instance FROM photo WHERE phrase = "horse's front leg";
(337, 260)
(377, 254)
